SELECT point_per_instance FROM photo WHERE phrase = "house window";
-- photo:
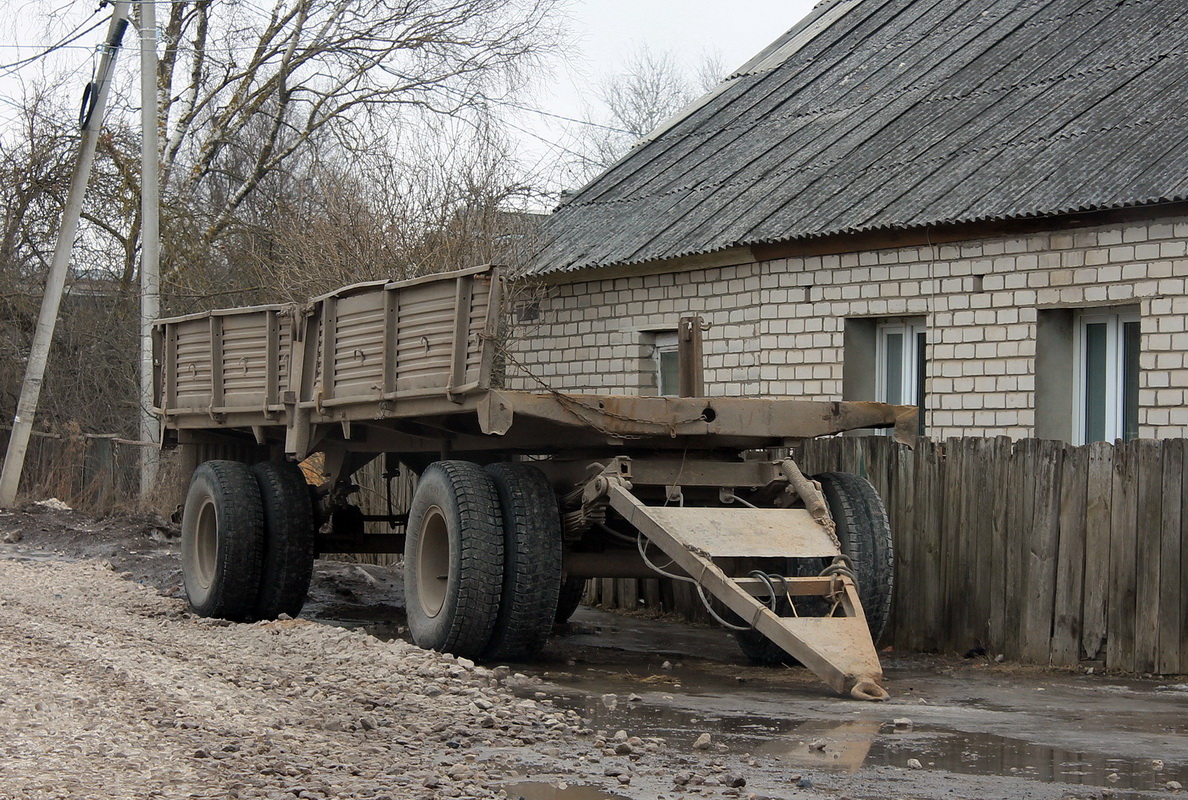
(1106, 377)
(885, 361)
(666, 359)
(899, 365)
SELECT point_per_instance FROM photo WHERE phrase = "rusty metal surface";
(361, 346)
(384, 341)
(408, 365)
(755, 417)
(748, 532)
(227, 359)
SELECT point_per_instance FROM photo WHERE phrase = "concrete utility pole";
(91, 120)
(150, 277)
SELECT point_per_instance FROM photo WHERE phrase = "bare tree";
(651, 86)
(244, 94)
(291, 137)
(91, 376)
(445, 196)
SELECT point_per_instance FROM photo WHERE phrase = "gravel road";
(113, 691)
(110, 688)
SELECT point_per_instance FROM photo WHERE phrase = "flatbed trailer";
(521, 495)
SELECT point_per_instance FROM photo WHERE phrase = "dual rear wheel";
(483, 560)
(247, 540)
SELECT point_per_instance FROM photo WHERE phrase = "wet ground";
(954, 728)
(967, 723)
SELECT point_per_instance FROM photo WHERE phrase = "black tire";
(531, 562)
(865, 535)
(572, 592)
(222, 545)
(288, 539)
(453, 559)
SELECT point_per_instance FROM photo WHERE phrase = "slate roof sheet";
(897, 114)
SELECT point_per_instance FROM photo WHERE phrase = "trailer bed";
(410, 364)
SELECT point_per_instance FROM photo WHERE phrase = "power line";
(510, 104)
(73, 36)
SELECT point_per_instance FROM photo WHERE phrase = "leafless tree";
(651, 86)
(292, 139)
(245, 94)
(92, 376)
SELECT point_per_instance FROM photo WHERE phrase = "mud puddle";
(956, 719)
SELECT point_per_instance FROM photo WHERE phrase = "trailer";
(521, 495)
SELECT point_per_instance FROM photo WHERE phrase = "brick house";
(978, 206)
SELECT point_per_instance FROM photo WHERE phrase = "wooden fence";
(91, 472)
(1043, 552)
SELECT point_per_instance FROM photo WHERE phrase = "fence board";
(985, 493)
(1001, 452)
(902, 511)
(1021, 496)
(1099, 514)
(1148, 530)
(1120, 615)
(1183, 609)
(1040, 554)
(929, 575)
(969, 491)
(1070, 559)
(953, 573)
(1171, 578)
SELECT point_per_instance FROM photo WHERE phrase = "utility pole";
(91, 120)
(150, 249)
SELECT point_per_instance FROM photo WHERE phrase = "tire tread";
(288, 540)
(532, 561)
(240, 552)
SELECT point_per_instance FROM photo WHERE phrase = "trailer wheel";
(572, 592)
(222, 540)
(288, 539)
(453, 559)
(865, 535)
(531, 561)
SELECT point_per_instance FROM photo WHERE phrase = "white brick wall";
(777, 326)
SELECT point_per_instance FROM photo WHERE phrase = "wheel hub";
(433, 562)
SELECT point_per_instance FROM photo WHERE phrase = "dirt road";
(109, 688)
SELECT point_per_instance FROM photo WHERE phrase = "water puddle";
(548, 791)
(684, 708)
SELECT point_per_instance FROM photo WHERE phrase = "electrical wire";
(66, 41)
(643, 552)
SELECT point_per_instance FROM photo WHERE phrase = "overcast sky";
(606, 32)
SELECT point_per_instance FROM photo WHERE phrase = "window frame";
(911, 356)
(1115, 364)
(665, 342)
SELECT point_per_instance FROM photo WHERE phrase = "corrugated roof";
(893, 114)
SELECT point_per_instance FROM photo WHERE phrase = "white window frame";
(909, 329)
(664, 342)
(1115, 359)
